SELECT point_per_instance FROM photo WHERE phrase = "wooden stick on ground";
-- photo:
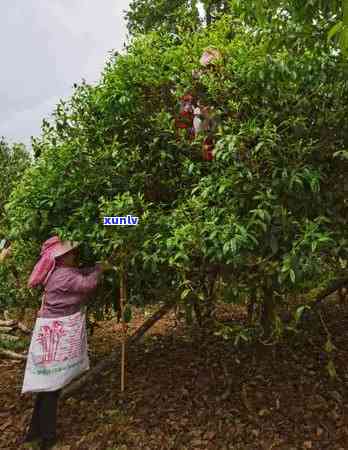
(10, 354)
(6, 329)
(8, 323)
(114, 355)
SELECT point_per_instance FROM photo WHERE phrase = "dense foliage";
(267, 216)
(144, 16)
(14, 159)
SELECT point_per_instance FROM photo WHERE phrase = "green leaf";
(222, 189)
(127, 314)
(329, 347)
(262, 225)
(331, 369)
(233, 245)
(344, 40)
(292, 275)
(185, 293)
(299, 312)
(334, 30)
(261, 214)
(341, 153)
(267, 216)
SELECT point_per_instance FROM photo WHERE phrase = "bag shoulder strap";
(43, 298)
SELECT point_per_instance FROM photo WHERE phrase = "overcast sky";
(45, 47)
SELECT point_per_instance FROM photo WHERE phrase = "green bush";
(270, 210)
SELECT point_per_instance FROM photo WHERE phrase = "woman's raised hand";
(105, 265)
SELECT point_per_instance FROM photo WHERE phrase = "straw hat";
(209, 56)
(64, 247)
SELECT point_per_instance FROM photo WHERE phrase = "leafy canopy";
(270, 210)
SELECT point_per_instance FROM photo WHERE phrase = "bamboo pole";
(123, 301)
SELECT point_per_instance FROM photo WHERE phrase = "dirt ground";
(186, 391)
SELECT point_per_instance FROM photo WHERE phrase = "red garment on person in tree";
(186, 115)
(208, 147)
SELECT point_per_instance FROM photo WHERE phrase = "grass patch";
(20, 345)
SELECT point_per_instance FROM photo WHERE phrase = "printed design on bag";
(76, 340)
(58, 353)
(59, 369)
(49, 338)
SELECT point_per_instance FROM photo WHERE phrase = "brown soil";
(189, 391)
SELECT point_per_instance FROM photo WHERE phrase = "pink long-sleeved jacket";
(67, 289)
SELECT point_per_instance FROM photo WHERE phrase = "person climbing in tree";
(184, 121)
(204, 122)
(58, 348)
(195, 117)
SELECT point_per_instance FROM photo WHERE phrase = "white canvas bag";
(57, 354)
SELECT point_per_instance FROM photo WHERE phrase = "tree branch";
(114, 355)
(333, 287)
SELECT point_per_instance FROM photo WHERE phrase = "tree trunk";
(342, 295)
(208, 16)
(225, 6)
(198, 312)
(209, 302)
(268, 312)
(251, 306)
(109, 360)
(195, 10)
(208, 12)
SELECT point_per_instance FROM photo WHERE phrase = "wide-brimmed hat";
(209, 56)
(64, 247)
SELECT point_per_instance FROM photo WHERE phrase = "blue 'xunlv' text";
(129, 220)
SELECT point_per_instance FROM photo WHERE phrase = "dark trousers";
(44, 419)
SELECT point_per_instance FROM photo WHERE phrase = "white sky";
(45, 47)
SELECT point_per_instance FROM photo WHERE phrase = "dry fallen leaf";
(319, 431)
(264, 412)
(209, 435)
(6, 424)
(197, 443)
